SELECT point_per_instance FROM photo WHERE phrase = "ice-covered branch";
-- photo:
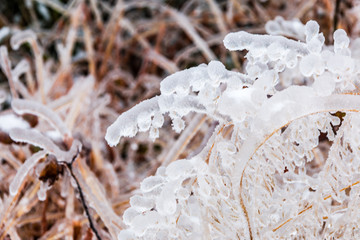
(247, 41)
(23, 171)
(36, 138)
(31, 107)
(127, 124)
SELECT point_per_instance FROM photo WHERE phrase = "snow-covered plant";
(284, 159)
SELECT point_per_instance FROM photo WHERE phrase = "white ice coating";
(175, 99)
(280, 26)
(126, 125)
(341, 40)
(22, 37)
(311, 30)
(23, 171)
(247, 41)
(286, 106)
(36, 138)
(21, 107)
(276, 110)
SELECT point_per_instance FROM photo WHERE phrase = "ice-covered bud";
(324, 85)
(144, 121)
(216, 70)
(316, 43)
(341, 40)
(311, 30)
(238, 41)
(158, 120)
(178, 124)
(311, 64)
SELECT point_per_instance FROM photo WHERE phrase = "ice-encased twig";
(290, 28)
(243, 40)
(29, 36)
(5, 66)
(23, 171)
(27, 106)
(126, 125)
(34, 137)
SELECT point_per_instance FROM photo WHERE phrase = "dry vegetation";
(82, 64)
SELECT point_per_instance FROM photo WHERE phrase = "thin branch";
(82, 198)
